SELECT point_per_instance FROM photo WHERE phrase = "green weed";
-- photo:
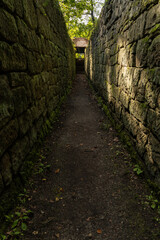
(137, 169)
(16, 221)
(154, 203)
(41, 166)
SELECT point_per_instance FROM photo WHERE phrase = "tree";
(80, 16)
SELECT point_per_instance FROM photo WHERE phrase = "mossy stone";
(153, 53)
(6, 171)
(8, 135)
(1, 184)
(6, 101)
(18, 153)
(8, 22)
(29, 13)
(10, 4)
(142, 51)
(20, 100)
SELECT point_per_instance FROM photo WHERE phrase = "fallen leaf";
(99, 231)
(57, 235)
(61, 190)
(57, 199)
(68, 146)
(59, 227)
(115, 139)
(35, 232)
(51, 201)
(57, 171)
(44, 179)
(88, 219)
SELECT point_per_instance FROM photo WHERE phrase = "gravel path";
(90, 190)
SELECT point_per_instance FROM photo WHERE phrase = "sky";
(97, 12)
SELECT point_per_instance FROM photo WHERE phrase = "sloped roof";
(80, 42)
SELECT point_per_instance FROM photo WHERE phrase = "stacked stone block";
(36, 67)
(123, 63)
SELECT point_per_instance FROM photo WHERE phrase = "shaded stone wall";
(36, 66)
(123, 63)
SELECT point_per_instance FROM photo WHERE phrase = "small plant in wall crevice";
(137, 169)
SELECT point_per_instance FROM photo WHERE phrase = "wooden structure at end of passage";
(80, 44)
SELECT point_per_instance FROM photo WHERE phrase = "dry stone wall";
(36, 66)
(123, 63)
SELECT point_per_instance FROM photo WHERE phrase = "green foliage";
(16, 221)
(137, 169)
(154, 203)
(80, 16)
(41, 165)
(79, 56)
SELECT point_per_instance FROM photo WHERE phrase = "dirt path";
(90, 191)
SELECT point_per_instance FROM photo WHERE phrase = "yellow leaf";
(57, 171)
(44, 179)
(99, 231)
(35, 232)
(57, 235)
(58, 198)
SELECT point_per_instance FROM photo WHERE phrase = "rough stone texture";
(5, 167)
(34, 49)
(123, 63)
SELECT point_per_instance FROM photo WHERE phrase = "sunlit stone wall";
(36, 66)
(123, 63)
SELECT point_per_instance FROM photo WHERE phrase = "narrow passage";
(90, 191)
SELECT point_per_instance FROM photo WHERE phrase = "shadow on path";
(90, 191)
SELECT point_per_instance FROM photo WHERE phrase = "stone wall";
(123, 63)
(36, 65)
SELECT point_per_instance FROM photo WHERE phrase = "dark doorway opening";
(80, 65)
(80, 45)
